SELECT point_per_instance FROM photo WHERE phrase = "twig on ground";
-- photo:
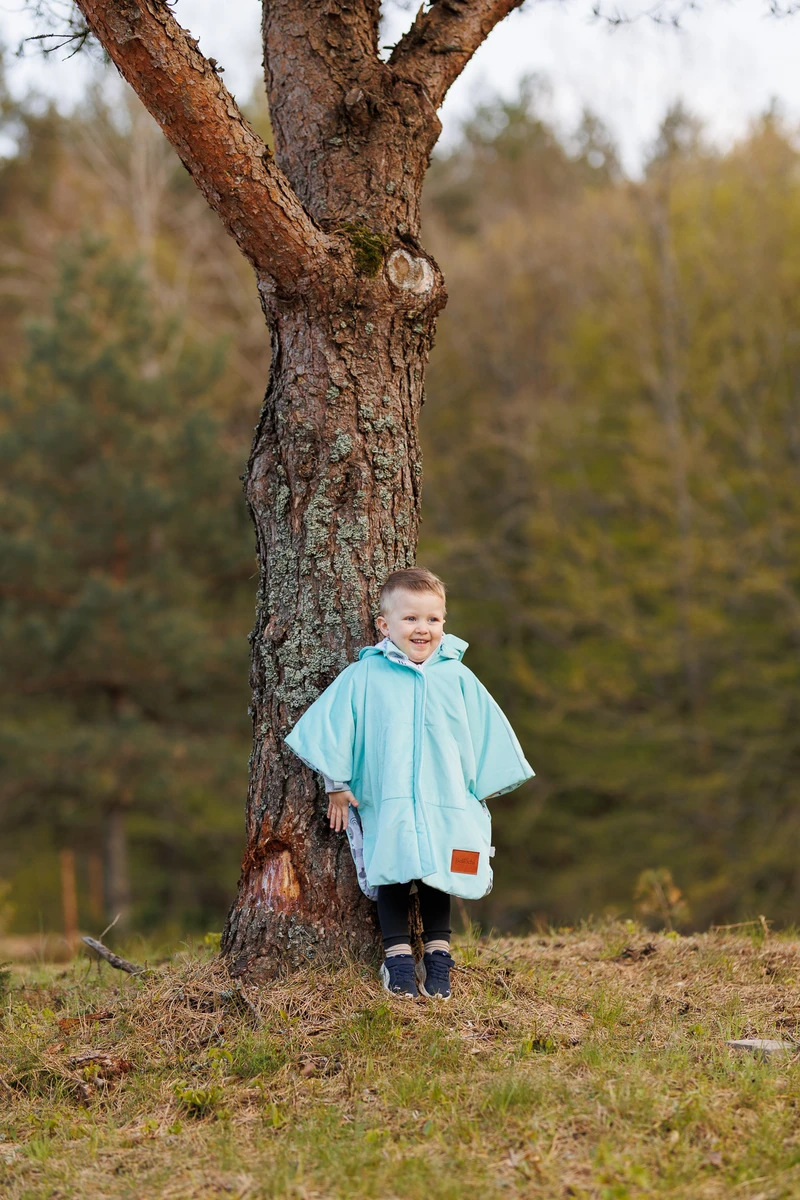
(121, 964)
(111, 926)
(760, 920)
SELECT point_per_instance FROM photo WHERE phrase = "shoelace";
(437, 970)
(400, 974)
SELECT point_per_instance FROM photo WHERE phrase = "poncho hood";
(449, 647)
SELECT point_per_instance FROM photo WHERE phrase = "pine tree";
(611, 448)
(126, 567)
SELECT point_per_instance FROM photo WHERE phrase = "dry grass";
(582, 1064)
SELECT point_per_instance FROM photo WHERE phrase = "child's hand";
(338, 804)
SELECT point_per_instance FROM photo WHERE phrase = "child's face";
(415, 623)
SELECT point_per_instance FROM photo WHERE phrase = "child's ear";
(383, 628)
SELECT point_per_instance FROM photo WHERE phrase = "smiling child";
(411, 741)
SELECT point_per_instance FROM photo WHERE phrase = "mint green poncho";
(422, 750)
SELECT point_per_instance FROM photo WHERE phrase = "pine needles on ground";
(588, 1063)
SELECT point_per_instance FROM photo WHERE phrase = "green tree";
(126, 569)
(612, 453)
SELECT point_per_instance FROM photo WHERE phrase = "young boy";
(411, 741)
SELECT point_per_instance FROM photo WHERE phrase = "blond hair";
(410, 579)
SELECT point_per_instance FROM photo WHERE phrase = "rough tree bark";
(330, 223)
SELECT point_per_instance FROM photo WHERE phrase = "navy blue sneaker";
(434, 972)
(397, 976)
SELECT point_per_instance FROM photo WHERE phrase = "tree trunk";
(330, 223)
(97, 906)
(69, 898)
(117, 876)
(333, 485)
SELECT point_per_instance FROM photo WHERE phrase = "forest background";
(612, 453)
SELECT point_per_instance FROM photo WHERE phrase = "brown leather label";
(465, 862)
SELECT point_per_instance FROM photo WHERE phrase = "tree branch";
(441, 41)
(121, 964)
(233, 168)
(325, 84)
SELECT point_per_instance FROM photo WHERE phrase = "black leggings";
(434, 907)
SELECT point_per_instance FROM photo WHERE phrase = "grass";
(588, 1064)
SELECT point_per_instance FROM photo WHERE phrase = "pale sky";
(728, 63)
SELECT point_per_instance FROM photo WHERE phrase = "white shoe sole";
(436, 995)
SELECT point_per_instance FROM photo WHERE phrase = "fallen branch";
(121, 964)
(759, 920)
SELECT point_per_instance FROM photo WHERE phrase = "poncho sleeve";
(500, 765)
(324, 737)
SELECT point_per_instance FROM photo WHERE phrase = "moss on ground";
(588, 1063)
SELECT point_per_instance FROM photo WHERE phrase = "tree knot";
(410, 272)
